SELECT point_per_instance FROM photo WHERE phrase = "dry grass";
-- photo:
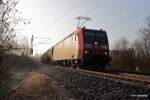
(36, 86)
(41, 81)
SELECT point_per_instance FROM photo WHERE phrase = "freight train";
(83, 47)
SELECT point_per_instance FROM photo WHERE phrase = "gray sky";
(56, 18)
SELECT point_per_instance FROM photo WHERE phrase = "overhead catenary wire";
(61, 17)
(88, 13)
(42, 42)
(65, 14)
(41, 38)
(56, 18)
(61, 10)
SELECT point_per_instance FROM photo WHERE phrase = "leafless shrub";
(8, 22)
(124, 54)
(136, 54)
(122, 44)
(24, 46)
(142, 48)
(4, 78)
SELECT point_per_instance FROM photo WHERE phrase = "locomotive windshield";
(100, 36)
(97, 35)
(89, 34)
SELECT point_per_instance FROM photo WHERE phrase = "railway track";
(124, 75)
(105, 85)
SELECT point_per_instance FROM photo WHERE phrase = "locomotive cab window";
(100, 36)
(89, 34)
(95, 35)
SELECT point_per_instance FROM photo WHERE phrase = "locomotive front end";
(96, 47)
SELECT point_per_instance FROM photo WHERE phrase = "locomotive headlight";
(95, 43)
(105, 53)
(85, 51)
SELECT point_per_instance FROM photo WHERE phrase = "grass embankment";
(12, 70)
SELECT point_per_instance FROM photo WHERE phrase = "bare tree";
(142, 48)
(122, 44)
(124, 54)
(8, 21)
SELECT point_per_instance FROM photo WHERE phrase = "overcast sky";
(54, 19)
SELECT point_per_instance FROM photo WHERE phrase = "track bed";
(89, 85)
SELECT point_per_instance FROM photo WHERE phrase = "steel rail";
(130, 76)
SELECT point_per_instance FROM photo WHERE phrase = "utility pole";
(84, 19)
(31, 49)
(32, 38)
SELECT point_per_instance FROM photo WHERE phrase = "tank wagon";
(82, 47)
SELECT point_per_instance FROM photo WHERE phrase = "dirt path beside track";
(37, 85)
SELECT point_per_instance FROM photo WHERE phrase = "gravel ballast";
(81, 86)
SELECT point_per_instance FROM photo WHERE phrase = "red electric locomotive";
(84, 47)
